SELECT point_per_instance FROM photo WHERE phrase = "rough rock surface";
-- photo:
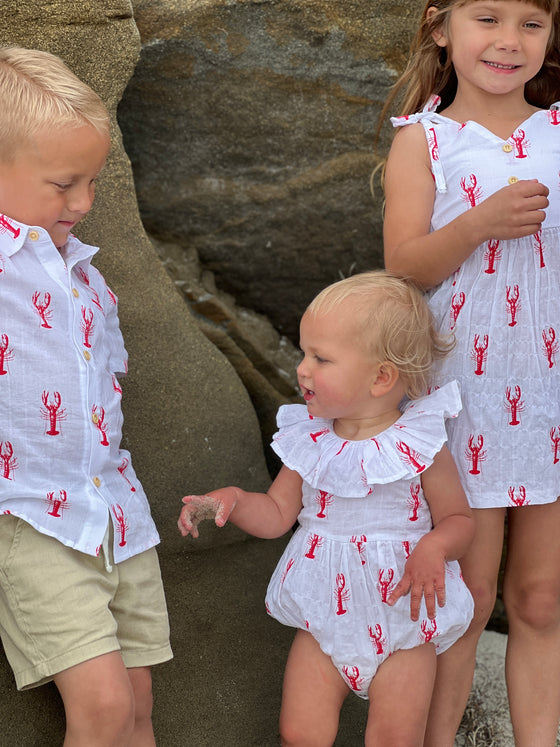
(250, 128)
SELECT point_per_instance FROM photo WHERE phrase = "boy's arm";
(429, 258)
(452, 533)
(264, 515)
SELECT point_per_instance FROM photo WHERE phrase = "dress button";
(96, 482)
(75, 292)
(513, 180)
(507, 147)
(95, 418)
(87, 355)
(33, 235)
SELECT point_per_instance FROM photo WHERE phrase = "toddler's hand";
(424, 576)
(217, 505)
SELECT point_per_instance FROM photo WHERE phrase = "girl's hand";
(424, 576)
(217, 505)
(514, 211)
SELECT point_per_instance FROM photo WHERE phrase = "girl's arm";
(265, 515)
(452, 533)
(410, 249)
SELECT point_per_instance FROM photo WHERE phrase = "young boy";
(81, 596)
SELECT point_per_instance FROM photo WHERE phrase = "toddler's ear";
(385, 378)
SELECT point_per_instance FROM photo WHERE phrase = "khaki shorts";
(60, 607)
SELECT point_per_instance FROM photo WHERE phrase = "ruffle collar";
(310, 446)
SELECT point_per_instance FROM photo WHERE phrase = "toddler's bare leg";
(312, 696)
(400, 695)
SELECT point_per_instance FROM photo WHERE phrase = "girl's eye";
(320, 360)
(62, 186)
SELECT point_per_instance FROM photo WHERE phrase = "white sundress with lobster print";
(503, 304)
(363, 513)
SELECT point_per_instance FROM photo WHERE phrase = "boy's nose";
(80, 201)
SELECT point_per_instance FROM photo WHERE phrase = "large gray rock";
(250, 129)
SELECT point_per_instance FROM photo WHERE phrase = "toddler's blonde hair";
(38, 91)
(393, 323)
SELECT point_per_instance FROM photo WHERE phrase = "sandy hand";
(198, 508)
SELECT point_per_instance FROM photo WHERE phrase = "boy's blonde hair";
(38, 91)
(393, 322)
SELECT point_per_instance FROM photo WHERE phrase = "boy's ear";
(385, 378)
(438, 36)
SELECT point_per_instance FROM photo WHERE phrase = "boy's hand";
(424, 576)
(217, 505)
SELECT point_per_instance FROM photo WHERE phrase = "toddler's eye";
(61, 186)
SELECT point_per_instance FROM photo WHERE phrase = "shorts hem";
(45, 671)
(147, 658)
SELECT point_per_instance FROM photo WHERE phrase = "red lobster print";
(116, 386)
(313, 542)
(324, 499)
(124, 464)
(377, 638)
(41, 302)
(457, 303)
(385, 585)
(122, 524)
(287, 570)
(341, 594)
(429, 630)
(360, 546)
(6, 226)
(8, 460)
(520, 143)
(414, 501)
(52, 412)
(555, 439)
(512, 298)
(433, 144)
(353, 677)
(87, 325)
(57, 504)
(406, 549)
(94, 294)
(554, 116)
(474, 453)
(409, 456)
(550, 346)
(472, 193)
(5, 354)
(515, 404)
(479, 354)
(518, 499)
(492, 254)
(318, 434)
(539, 247)
(98, 418)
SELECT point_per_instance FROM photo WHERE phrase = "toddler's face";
(336, 374)
(50, 182)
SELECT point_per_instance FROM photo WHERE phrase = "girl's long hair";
(430, 70)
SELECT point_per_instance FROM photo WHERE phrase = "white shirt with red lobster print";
(363, 513)
(503, 304)
(61, 466)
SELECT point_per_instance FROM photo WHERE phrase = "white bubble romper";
(363, 513)
(503, 303)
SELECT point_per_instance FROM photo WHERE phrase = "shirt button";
(507, 147)
(513, 180)
(87, 355)
(95, 418)
(33, 235)
(75, 292)
(96, 482)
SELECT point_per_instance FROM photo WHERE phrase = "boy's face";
(50, 182)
